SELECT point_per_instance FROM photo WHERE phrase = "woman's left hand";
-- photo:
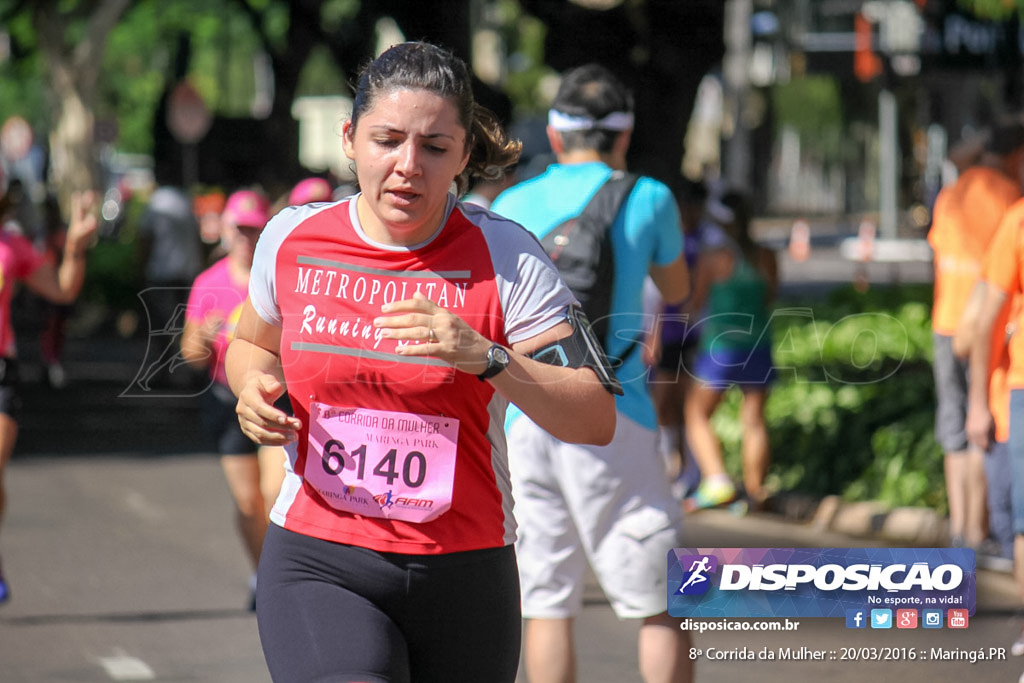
(423, 328)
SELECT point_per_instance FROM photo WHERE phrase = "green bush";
(852, 412)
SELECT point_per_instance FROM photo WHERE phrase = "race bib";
(381, 463)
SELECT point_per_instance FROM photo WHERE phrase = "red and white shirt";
(18, 260)
(319, 277)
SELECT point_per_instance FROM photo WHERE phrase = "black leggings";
(340, 613)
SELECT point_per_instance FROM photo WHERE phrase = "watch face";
(501, 356)
(497, 360)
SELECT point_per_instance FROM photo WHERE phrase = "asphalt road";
(125, 567)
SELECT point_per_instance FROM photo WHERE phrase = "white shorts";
(609, 505)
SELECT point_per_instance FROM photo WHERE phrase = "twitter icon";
(881, 618)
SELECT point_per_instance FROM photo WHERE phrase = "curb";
(900, 526)
(872, 519)
(913, 526)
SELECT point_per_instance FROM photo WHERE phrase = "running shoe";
(739, 507)
(710, 494)
(1017, 649)
(5, 592)
(989, 554)
(56, 375)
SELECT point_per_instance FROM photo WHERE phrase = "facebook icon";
(856, 618)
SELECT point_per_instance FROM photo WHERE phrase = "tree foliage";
(71, 39)
(994, 9)
(661, 47)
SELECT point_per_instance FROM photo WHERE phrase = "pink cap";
(247, 208)
(310, 190)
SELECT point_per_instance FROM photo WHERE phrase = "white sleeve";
(533, 296)
(263, 275)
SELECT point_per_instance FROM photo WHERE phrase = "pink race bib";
(381, 463)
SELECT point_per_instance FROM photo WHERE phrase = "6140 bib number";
(414, 464)
(402, 466)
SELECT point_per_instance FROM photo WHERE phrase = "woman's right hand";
(259, 419)
(83, 225)
(979, 426)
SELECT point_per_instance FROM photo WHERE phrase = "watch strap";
(494, 363)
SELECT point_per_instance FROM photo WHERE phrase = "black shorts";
(334, 612)
(678, 357)
(220, 423)
(10, 398)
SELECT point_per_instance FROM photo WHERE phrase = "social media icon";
(881, 618)
(957, 618)
(931, 618)
(906, 618)
(856, 618)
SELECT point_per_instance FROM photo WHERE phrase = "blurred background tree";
(994, 9)
(109, 67)
(71, 44)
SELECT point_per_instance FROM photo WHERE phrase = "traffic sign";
(15, 138)
(187, 114)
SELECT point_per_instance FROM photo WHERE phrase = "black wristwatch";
(497, 360)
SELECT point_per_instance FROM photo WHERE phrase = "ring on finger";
(431, 335)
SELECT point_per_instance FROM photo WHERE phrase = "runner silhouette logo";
(697, 579)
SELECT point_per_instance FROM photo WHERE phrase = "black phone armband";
(580, 349)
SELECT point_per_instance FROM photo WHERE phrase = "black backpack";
(582, 251)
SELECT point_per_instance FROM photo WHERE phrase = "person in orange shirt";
(965, 218)
(996, 412)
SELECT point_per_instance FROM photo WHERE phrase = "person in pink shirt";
(253, 473)
(59, 283)
(310, 190)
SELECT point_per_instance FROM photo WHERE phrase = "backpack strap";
(617, 361)
(606, 204)
(609, 198)
(603, 208)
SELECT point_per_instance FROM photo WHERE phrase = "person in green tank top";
(734, 287)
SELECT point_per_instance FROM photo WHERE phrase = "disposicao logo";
(818, 582)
